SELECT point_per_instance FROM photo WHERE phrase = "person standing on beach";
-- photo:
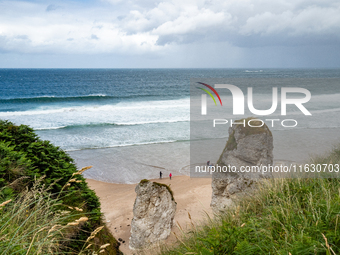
(170, 175)
(160, 175)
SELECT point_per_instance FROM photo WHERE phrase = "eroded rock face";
(246, 147)
(153, 214)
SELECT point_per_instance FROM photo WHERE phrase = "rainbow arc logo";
(209, 93)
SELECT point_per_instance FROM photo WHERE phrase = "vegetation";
(36, 223)
(24, 158)
(283, 216)
(145, 181)
(167, 187)
(251, 130)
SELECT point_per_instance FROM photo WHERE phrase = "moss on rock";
(144, 181)
(248, 130)
(166, 186)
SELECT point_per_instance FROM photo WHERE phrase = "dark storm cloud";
(301, 29)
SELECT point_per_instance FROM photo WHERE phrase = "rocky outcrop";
(247, 147)
(153, 214)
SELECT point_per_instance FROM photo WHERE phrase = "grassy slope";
(284, 216)
(24, 158)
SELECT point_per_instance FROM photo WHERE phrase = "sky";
(170, 34)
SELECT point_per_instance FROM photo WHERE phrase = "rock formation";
(153, 214)
(249, 147)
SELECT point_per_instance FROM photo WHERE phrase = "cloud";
(154, 27)
(310, 21)
(235, 21)
(52, 7)
(94, 37)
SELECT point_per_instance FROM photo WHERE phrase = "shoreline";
(184, 141)
(134, 163)
(193, 195)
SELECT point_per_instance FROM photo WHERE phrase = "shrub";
(23, 154)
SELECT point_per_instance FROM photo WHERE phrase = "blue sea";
(111, 118)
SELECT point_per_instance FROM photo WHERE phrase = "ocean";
(132, 123)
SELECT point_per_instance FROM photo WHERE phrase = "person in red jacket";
(170, 175)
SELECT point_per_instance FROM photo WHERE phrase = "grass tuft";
(37, 221)
(282, 216)
(167, 187)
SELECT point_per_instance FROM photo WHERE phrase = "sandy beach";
(193, 195)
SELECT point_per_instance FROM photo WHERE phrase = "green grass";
(24, 157)
(145, 181)
(283, 216)
(36, 222)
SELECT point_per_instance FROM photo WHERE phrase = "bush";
(25, 157)
(13, 165)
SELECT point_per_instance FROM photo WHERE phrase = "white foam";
(122, 145)
(123, 113)
(50, 128)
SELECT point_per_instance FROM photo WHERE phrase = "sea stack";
(249, 145)
(153, 214)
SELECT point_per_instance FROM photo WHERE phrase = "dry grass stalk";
(73, 224)
(78, 209)
(104, 246)
(82, 219)
(82, 170)
(94, 233)
(5, 203)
